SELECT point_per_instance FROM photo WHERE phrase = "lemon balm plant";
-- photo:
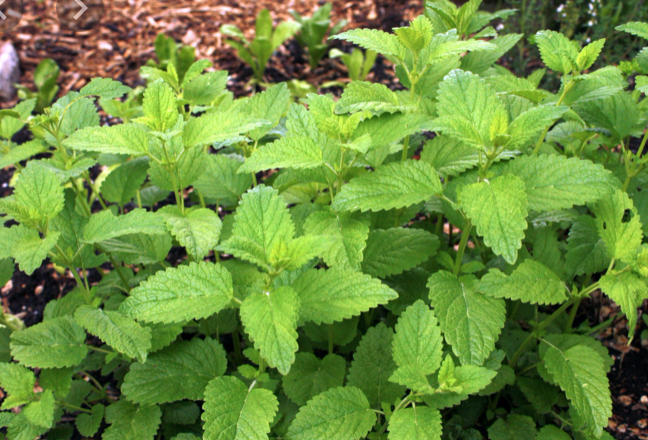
(321, 296)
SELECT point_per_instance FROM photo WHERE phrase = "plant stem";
(465, 234)
(405, 148)
(569, 85)
(76, 408)
(119, 272)
(572, 316)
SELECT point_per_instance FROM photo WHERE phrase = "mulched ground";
(124, 41)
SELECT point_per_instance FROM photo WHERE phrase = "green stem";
(122, 277)
(572, 316)
(405, 148)
(465, 234)
(569, 85)
(76, 408)
(402, 404)
(100, 350)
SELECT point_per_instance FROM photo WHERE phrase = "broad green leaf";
(180, 371)
(580, 373)
(117, 139)
(551, 432)
(515, 427)
(558, 53)
(415, 423)
(345, 237)
(58, 380)
(337, 413)
(471, 322)
(635, 28)
(234, 411)
(88, 424)
(221, 182)
(628, 291)
(122, 333)
(197, 229)
(386, 129)
(55, 343)
(41, 412)
(105, 88)
(335, 294)
(18, 384)
(526, 128)
(618, 113)
(498, 209)
(555, 182)
(589, 54)
(372, 39)
(297, 152)
(365, 96)
(531, 282)
(586, 251)
(393, 251)
(30, 250)
(479, 62)
(22, 152)
(38, 195)
(270, 105)
(131, 422)
(218, 127)
(621, 236)
(417, 347)
(105, 225)
(178, 294)
(270, 318)
(454, 384)
(310, 376)
(122, 184)
(397, 185)
(206, 88)
(449, 156)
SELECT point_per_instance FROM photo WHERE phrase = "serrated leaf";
(386, 129)
(117, 139)
(589, 54)
(18, 384)
(586, 251)
(38, 195)
(232, 411)
(197, 229)
(336, 413)
(628, 291)
(297, 152)
(217, 127)
(551, 432)
(88, 424)
(397, 185)
(30, 250)
(455, 384)
(131, 422)
(105, 88)
(515, 427)
(558, 53)
(498, 209)
(22, 152)
(180, 371)
(531, 282)
(393, 251)
(580, 373)
(270, 318)
(617, 113)
(525, 129)
(635, 28)
(555, 182)
(122, 184)
(122, 333)
(41, 412)
(417, 347)
(270, 105)
(335, 294)
(178, 294)
(621, 238)
(221, 182)
(58, 380)
(372, 39)
(366, 96)
(105, 225)
(415, 423)
(310, 376)
(471, 322)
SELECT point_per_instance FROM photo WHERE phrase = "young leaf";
(530, 282)
(415, 423)
(159, 106)
(30, 250)
(41, 412)
(232, 411)
(372, 39)
(526, 128)
(586, 251)
(117, 139)
(310, 376)
(38, 196)
(365, 96)
(18, 384)
(471, 322)
(335, 294)
(105, 225)
(621, 238)
(122, 184)
(180, 371)
(628, 291)
(122, 333)
(217, 127)
(558, 53)
(337, 413)
(297, 152)
(131, 422)
(89, 424)
(270, 318)
(105, 88)
(397, 185)
(589, 54)
(197, 229)
(516, 427)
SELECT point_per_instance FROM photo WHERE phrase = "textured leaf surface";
(335, 294)
(621, 236)
(123, 182)
(396, 185)
(116, 139)
(378, 41)
(218, 127)
(310, 376)
(336, 413)
(416, 423)
(179, 294)
(628, 291)
(299, 152)
(365, 96)
(18, 384)
(198, 230)
(586, 251)
(105, 88)
(88, 424)
(471, 322)
(530, 282)
(104, 225)
(232, 411)
(498, 209)
(159, 106)
(220, 182)
(38, 193)
(515, 427)
(393, 251)
(180, 371)
(132, 422)
(557, 52)
(270, 318)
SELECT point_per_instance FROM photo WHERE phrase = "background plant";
(314, 30)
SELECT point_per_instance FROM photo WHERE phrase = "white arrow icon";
(10, 12)
(78, 14)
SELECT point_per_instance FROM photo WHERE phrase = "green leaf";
(105, 88)
(415, 423)
(30, 250)
(105, 225)
(526, 128)
(498, 209)
(617, 113)
(232, 411)
(373, 365)
(38, 195)
(131, 422)
(262, 224)
(471, 322)
(586, 251)
(531, 282)
(455, 384)
(365, 96)
(298, 152)
(397, 185)
(18, 384)
(417, 347)
(159, 106)
(579, 371)
(515, 427)
(387, 129)
(270, 105)
(178, 294)
(628, 291)
(393, 251)
(270, 318)
(122, 184)
(336, 413)
(180, 371)
(589, 54)
(206, 88)
(372, 39)
(41, 412)
(221, 182)
(449, 156)
(55, 343)
(58, 380)
(635, 28)
(116, 139)
(621, 238)
(555, 182)
(217, 127)
(335, 294)
(310, 376)
(22, 152)
(88, 424)
(345, 237)
(558, 53)
(122, 333)
(198, 229)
